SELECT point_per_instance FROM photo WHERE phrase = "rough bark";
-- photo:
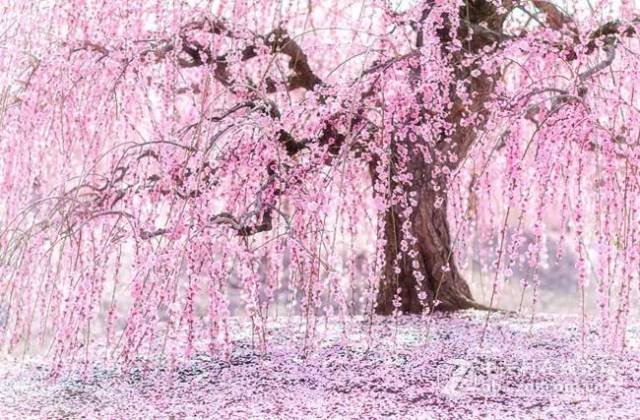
(433, 252)
(429, 265)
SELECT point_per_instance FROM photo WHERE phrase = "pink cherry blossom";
(170, 167)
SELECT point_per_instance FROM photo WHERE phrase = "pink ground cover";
(405, 368)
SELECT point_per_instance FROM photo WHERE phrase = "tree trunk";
(424, 273)
(433, 264)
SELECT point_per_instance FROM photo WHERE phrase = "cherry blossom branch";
(278, 41)
(610, 49)
(613, 28)
(556, 18)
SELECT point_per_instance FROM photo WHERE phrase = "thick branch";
(278, 41)
(611, 29)
(556, 18)
(610, 49)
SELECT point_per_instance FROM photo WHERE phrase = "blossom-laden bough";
(156, 156)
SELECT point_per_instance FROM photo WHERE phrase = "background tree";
(153, 155)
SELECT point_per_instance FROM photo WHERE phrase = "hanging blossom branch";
(605, 37)
(191, 53)
(277, 42)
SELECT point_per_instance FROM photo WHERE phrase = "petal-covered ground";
(405, 368)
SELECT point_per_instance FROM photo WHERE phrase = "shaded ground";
(412, 369)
